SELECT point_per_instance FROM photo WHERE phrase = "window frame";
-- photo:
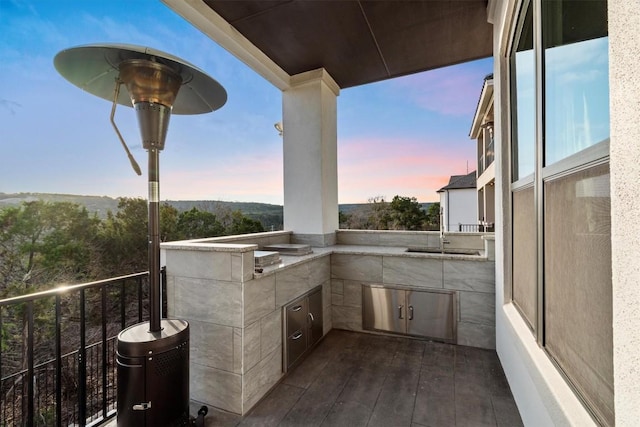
(589, 157)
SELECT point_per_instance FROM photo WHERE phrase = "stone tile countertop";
(287, 261)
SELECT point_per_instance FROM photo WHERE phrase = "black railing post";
(26, 393)
(1, 352)
(58, 363)
(104, 350)
(30, 391)
(82, 366)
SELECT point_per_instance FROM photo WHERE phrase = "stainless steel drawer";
(296, 346)
(302, 328)
(296, 316)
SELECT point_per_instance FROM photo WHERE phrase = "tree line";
(43, 244)
(402, 213)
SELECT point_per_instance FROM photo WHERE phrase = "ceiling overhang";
(356, 42)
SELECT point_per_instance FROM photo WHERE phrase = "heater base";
(153, 375)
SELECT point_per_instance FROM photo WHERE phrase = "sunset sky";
(404, 136)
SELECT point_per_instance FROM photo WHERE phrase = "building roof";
(485, 102)
(355, 41)
(459, 182)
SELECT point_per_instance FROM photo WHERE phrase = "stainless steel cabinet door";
(431, 314)
(384, 309)
(315, 317)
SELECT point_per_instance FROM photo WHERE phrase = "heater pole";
(149, 391)
(154, 240)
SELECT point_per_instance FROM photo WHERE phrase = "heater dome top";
(94, 69)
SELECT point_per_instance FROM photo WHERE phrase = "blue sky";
(403, 136)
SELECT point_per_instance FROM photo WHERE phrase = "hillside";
(98, 204)
(269, 215)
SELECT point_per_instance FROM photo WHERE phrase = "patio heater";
(153, 356)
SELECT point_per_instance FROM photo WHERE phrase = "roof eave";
(486, 99)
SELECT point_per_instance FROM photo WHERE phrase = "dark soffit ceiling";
(360, 42)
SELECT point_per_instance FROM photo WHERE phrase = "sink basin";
(290, 248)
(447, 251)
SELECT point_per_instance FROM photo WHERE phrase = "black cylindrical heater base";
(153, 375)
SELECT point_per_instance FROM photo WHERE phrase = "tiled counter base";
(473, 279)
(235, 316)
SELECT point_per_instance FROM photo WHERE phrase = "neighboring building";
(459, 203)
(482, 132)
(566, 132)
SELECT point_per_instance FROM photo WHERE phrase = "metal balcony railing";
(57, 353)
(476, 228)
(489, 155)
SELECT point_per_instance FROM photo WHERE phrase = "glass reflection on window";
(576, 77)
(523, 100)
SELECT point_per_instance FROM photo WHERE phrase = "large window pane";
(576, 76)
(523, 98)
(577, 274)
(525, 294)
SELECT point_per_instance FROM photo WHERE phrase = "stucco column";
(311, 158)
(624, 85)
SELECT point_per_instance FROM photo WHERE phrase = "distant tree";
(44, 243)
(224, 214)
(124, 238)
(433, 216)
(235, 222)
(402, 213)
(169, 223)
(379, 214)
(343, 219)
(196, 224)
(407, 214)
(241, 224)
(372, 216)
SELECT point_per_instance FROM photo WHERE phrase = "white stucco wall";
(624, 66)
(460, 206)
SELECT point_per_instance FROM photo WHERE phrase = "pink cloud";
(252, 178)
(369, 167)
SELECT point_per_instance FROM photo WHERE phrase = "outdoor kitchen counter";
(235, 310)
(287, 261)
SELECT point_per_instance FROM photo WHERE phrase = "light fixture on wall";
(279, 128)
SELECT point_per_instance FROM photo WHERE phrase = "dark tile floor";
(356, 379)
